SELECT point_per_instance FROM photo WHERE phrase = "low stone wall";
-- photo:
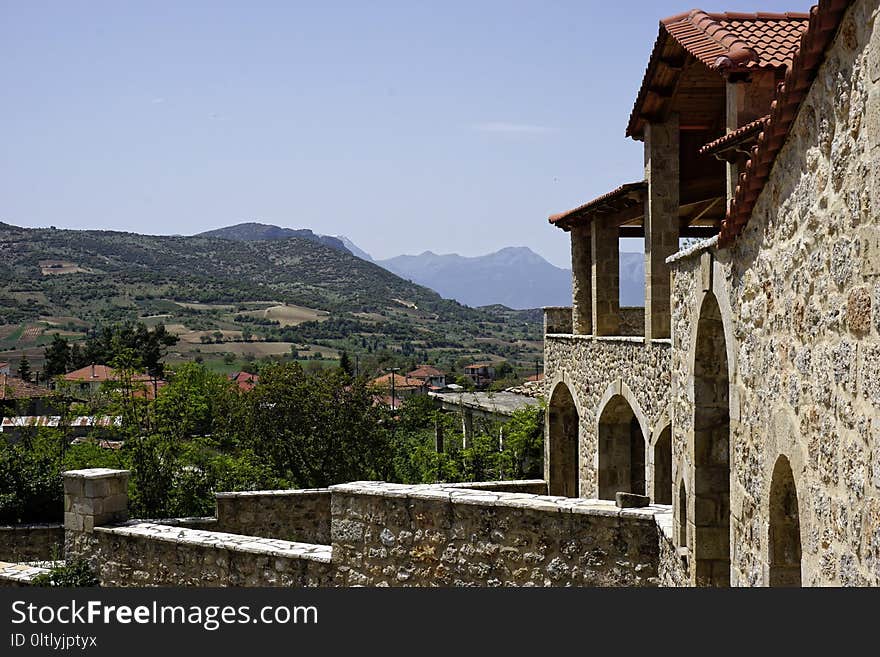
(533, 486)
(289, 515)
(31, 542)
(148, 554)
(557, 319)
(394, 535)
(19, 574)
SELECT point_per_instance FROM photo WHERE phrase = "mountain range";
(515, 277)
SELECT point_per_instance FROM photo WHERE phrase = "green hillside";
(294, 291)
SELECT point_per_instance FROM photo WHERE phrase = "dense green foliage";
(76, 573)
(295, 429)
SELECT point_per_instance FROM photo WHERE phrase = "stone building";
(746, 394)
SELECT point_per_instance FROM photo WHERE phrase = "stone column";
(467, 428)
(438, 433)
(731, 124)
(93, 497)
(581, 280)
(606, 279)
(661, 222)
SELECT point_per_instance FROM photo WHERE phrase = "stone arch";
(621, 443)
(784, 530)
(563, 430)
(711, 448)
(662, 464)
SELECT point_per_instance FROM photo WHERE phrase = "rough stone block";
(869, 239)
(631, 500)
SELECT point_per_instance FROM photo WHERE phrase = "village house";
(89, 380)
(244, 381)
(482, 374)
(746, 393)
(433, 378)
(392, 388)
(20, 396)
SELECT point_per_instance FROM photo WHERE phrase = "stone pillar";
(557, 319)
(661, 222)
(93, 497)
(467, 428)
(438, 433)
(581, 280)
(606, 279)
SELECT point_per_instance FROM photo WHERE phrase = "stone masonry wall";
(394, 535)
(799, 294)
(591, 368)
(146, 554)
(31, 542)
(289, 515)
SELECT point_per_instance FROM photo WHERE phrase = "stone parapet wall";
(557, 319)
(39, 542)
(395, 535)
(289, 515)
(19, 574)
(632, 321)
(147, 554)
(532, 486)
(594, 369)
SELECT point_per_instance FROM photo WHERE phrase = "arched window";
(663, 467)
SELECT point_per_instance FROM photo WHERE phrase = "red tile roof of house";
(735, 137)
(12, 387)
(102, 373)
(824, 22)
(424, 372)
(400, 382)
(724, 42)
(633, 189)
(245, 380)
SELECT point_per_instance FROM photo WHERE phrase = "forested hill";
(99, 276)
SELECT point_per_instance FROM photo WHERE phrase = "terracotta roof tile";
(824, 21)
(734, 137)
(12, 387)
(725, 41)
(615, 194)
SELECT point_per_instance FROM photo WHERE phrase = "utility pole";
(392, 370)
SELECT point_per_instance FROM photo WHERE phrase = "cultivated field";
(290, 315)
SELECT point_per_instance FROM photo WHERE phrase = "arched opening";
(784, 544)
(711, 450)
(682, 515)
(621, 450)
(563, 436)
(663, 467)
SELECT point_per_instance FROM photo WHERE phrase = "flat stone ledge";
(690, 252)
(632, 339)
(292, 492)
(96, 473)
(22, 573)
(529, 501)
(32, 526)
(220, 540)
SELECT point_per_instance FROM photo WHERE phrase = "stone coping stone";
(274, 493)
(555, 307)
(20, 572)
(32, 526)
(634, 339)
(488, 485)
(219, 540)
(545, 503)
(96, 473)
(696, 249)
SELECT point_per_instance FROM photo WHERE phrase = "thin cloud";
(157, 101)
(505, 127)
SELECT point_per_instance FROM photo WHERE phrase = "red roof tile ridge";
(732, 136)
(824, 22)
(624, 188)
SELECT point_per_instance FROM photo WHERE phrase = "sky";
(405, 126)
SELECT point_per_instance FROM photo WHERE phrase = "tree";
(24, 368)
(57, 356)
(323, 425)
(345, 364)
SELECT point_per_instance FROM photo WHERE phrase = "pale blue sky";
(407, 126)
